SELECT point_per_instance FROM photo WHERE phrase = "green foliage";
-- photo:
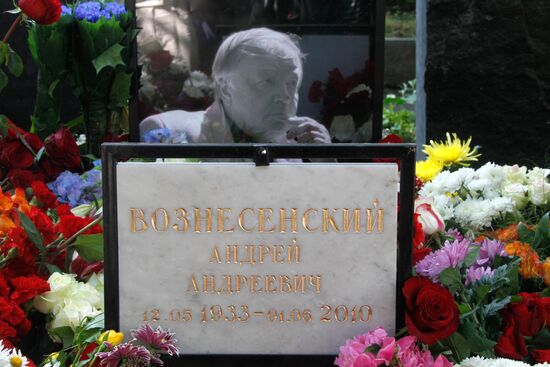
(539, 237)
(399, 117)
(400, 24)
(10, 60)
(90, 247)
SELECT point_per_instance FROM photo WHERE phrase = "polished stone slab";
(264, 302)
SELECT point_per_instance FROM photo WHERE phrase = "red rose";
(528, 315)
(419, 236)
(315, 91)
(20, 177)
(160, 60)
(26, 288)
(511, 344)
(431, 312)
(49, 169)
(14, 154)
(62, 149)
(41, 11)
(84, 269)
(44, 195)
(541, 355)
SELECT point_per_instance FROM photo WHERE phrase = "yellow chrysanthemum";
(428, 169)
(452, 151)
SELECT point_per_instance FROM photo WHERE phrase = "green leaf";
(3, 125)
(53, 268)
(471, 257)
(90, 247)
(98, 322)
(542, 339)
(464, 308)
(541, 232)
(65, 334)
(3, 80)
(481, 292)
(459, 345)
(13, 11)
(524, 234)
(3, 52)
(545, 292)
(451, 278)
(32, 232)
(15, 64)
(39, 154)
(76, 122)
(120, 91)
(476, 339)
(109, 58)
(52, 87)
(495, 306)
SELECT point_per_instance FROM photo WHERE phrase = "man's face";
(264, 96)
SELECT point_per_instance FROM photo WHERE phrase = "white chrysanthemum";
(497, 362)
(433, 188)
(475, 214)
(453, 181)
(444, 206)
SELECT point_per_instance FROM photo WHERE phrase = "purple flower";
(451, 255)
(455, 233)
(473, 273)
(156, 136)
(132, 355)
(65, 10)
(489, 249)
(159, 340)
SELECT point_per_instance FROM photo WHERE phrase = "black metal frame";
(261, 154)
(376, 52)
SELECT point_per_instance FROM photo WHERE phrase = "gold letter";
(222, 219)
(315, 280)
(140, 217)
(154, 220)
(264, 220)
(241, 220)
(215, 257)
(329, 219)
(193, 284)
(293, 252)
(264, 251)
(198, 220)
(283, 219)
(356, 217)
(305, 220)
(379, 218)
(181, 214)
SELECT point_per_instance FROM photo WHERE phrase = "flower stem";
(12, 28)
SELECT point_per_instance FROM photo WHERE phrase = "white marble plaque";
(284, 259)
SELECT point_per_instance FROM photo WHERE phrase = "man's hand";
(308, 131)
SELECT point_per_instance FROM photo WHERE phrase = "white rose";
(517, 192)
(73, 313)
(61, 286)
(537, 174)
(86, 292)
(516, 174)
(539, 192)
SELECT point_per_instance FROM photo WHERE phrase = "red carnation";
(26, 288)
(62, 149)
(431, 312)
(63, 209)
(44, 195)
(70, 224)
(44, 224)
(7, 331)
(41, 11)
(14, 154)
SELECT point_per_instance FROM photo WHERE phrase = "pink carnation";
(411, 356)
(354, 354)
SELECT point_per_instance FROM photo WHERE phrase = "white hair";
(253, 42)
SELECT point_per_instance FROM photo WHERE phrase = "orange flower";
(530, 265)
(5, 224)
(507, 234)
(546, 271)
(5, 202)
(20, 200)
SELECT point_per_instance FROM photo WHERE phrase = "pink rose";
(430, 219)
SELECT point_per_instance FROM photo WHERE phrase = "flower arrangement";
(376, 348)
(346, 102)
(167, 83)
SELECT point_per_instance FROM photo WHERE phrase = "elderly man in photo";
(257, 74)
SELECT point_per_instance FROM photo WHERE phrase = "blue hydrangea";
(65, 10)
(75, 189)
(92, 11)
(165, 136)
